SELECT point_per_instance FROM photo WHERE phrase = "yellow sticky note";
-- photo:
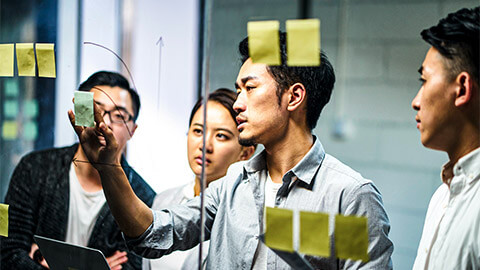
(264, 42)
(6, 60)
(279, 229)
(45, 60)
(303, 42)
(314, 238)
(3, 219)
(9, 130)
(351, 237)
(25, 59)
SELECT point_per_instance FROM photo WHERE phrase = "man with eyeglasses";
(56, 193)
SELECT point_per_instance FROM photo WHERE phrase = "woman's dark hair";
(318, 80)
(224, 96)
(112, 79)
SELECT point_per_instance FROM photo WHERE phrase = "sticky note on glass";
(30, 108)
(84, 109)
(279, 228)
(314, 238)
(11, 88)
(6, 60)
(25, 59)
(9, 130)
(351, 237)
(264, 42)
(10, 108)
(3, 219)
(45, 60)
(30, 131)
(303, 42)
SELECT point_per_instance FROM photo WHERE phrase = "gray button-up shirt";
(234, 213)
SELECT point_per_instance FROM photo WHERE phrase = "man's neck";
(466, 141)
(288, 151)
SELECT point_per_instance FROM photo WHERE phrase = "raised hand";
(98, 142)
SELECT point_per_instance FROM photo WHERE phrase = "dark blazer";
(38, 199)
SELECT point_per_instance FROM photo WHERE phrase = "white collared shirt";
(451, 234)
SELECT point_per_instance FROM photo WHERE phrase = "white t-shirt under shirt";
(271, 189)
(83, 211)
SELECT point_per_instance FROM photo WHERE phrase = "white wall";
(158, 149)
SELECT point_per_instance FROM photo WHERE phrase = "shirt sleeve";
(367, 201)
(177, 227)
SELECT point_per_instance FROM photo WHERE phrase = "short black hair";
(457, 37)
(318, 80)
(223, 96)
(112, 79)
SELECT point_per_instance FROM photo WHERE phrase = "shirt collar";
(466, 165)
(305, 170)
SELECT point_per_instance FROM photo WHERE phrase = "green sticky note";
(45, 60)
(30, 131)
(314, 238)
(84, 109)
(9, 130)
(6, 60)
(11, 88)
(264, 42)
(3, 219)
(10, 108)
(303, 42)
(30, 109)
(25, 59)
(351, 237)
(279, 229)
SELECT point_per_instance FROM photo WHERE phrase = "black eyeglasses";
(118, 115)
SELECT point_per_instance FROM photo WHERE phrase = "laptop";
(63, 256)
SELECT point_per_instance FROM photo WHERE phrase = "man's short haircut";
(457, 37)
(112, 79)
(318, 80)
(223, 96)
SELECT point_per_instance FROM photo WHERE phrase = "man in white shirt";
(448, 117)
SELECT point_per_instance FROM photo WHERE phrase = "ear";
(132, 131)
(246, 153)
(464, 91)
(297, 95)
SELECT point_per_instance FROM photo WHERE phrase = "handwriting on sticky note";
(25, 59)
(351, 237)
(84, 109)
(279, 228)
(10, 108)
(4, 219)
(264, 42)
(6, 60)
(9, 130)
(314, 237)
(303, 42)
(46, 60)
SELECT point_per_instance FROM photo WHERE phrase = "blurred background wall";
(375, 47)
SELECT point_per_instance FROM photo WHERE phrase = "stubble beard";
(246, 141)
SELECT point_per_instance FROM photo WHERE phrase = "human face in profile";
(435, 103)
(221, 136)
(117, 102)
(262, 117)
